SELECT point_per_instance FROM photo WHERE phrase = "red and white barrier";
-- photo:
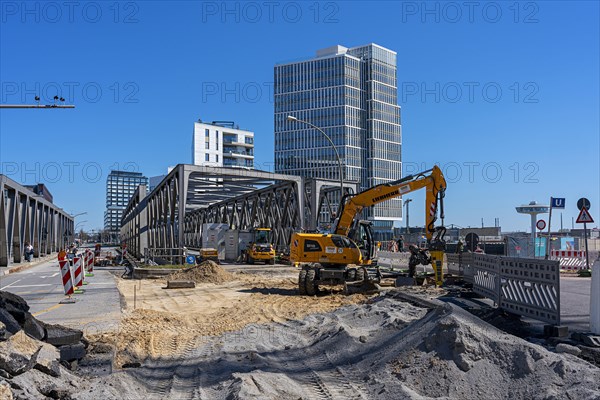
(89, 261)
(65, 271)
(77, 271)
(570, 260)
(568, 253)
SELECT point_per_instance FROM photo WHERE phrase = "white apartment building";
(222, 144)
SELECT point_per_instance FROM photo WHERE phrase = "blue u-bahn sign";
(558, 202)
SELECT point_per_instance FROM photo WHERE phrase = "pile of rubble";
(35, 357)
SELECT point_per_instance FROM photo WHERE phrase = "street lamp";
(77, 215)
(292, 118)
(407, 225)
(79, 223)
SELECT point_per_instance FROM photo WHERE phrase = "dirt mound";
(170, 323)
(206, 272)
(384, 348)
(464, 357)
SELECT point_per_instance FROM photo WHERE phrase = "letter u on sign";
(558, 202)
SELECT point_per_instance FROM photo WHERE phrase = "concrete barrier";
(595, 298)
(180, 284)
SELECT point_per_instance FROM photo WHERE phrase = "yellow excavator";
(342, 256)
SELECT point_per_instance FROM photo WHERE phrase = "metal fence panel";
(461, 264)
(486, 276)
(531, 288)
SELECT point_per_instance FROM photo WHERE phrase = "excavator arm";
(433, 180)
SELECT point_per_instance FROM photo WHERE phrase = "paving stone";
(10, 323)
(47, 360)
(17, 354)
(58, 335)
(72, 352)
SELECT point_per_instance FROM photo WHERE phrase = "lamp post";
(406, 203)
(77, 215)
(292, 118)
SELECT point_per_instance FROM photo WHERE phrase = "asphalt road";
(98, 309)
(575, 303)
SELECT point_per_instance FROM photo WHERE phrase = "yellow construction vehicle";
(342, 256)
(207, 253)
(261, 248)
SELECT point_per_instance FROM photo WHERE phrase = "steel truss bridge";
(28, 217)
(173, 214)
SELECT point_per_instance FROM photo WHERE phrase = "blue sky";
(504, 96)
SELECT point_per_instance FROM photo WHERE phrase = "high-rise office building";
(222, 144)
(350, 93)
(120, 186)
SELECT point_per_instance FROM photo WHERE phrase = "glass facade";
(120, 186)
(352, 95)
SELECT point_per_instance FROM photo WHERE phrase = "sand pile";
(169, 324)
(206, 272)
(384, 349)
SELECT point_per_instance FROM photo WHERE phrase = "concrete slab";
(180, 284)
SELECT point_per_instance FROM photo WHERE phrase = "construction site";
(223, 200)
(291, 312)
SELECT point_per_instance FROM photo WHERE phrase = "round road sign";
(583, 202)
(541, 224)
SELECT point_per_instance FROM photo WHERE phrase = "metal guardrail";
(524, 286)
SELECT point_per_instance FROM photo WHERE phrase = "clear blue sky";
(505, 89)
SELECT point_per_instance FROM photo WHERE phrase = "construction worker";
(400, 243)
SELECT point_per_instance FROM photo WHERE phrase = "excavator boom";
(432, 179)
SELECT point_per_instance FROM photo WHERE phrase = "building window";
(217, 140)
(206, 133)
(207, 157)
(217, 157)
(208, 145)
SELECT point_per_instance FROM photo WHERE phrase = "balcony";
(245, 155)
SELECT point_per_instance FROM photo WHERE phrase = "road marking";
(4, 287)
(54, 307)
(40, 285)
(49, 276)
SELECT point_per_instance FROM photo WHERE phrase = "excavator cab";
(361, 233)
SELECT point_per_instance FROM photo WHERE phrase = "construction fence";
(524, 286)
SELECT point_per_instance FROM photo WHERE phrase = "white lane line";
(26, 286)
(4, 287)
(49, 276)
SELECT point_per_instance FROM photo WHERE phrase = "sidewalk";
(22, 266)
